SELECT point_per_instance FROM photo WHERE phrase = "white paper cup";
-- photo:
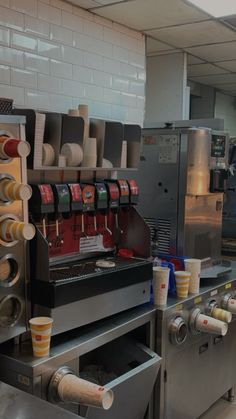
(209, 325)
(194, 267)
(124, 155)
(73, 112)
(107, 164)
(220, 314)
(90, 152)
(182, 279)
(48, 155)
(77, 390)
(231, 306)
(73, 153)
(41, 331)
(160, 284)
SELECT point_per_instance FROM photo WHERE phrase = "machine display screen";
(218, 144)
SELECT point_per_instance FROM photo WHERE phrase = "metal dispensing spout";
(106, 225)
(117, 223)
(66, 387)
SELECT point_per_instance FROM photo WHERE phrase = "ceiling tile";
(193, 60)
(156, 46)
(227, 87)
(216, 52)
(228, 65)
(86, 4)
(204, 70)
(148, 14)
(201, 33)
(222, 79)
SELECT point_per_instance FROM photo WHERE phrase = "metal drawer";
(136, 367)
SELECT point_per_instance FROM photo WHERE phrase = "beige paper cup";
(220, 314)
(41, 331)
(160, 284)
(182, 279)
(76, 390)
(209, 325)
(194, 267)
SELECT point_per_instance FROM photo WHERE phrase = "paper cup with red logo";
(194, 267)
(182, 279)
(160, 284)
(210, 325)
(41, 331)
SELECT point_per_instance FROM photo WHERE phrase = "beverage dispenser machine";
(181, 176)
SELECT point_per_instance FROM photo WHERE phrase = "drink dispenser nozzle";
(102, 202)
(41, 204)
(88, 198)
(62, 203)
(229, 303)
(113, 200)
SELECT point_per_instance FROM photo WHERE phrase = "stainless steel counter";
(16, 404)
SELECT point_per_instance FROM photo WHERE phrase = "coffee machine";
(181, 176)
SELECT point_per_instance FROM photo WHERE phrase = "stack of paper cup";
(73, 112)
(41, 331)
(220, 314)
(194, 267)
(182, 279)
(73, 153)
(48, 156)
(209, 325)
(76, 390)
(11, 230)
(10, 190)
(160, 284)
(124, 155)
(90, 152)
(84, 113)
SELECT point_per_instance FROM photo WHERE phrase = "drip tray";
(84, 269)
(76, 281)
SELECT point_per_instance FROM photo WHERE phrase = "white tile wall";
(54, 56)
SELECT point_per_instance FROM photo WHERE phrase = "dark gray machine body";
(174, 180)
(197, 368)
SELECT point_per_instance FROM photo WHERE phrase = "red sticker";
(205, 321)
(163, 285)
(38, 337)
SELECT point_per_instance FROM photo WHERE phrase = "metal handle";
(178, 331)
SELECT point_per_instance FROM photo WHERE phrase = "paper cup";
(220, 314)
(231, 306)
(107, 164)
(124, 155)
(209, 325)
(84, 113)
(10, 190)
(182, 279)
(90, 153)
(194, 267)
(73, 112)
(11, 230)
(73, 153)
(48, 155)
(76, 390)
(160, 284)
(41, 331)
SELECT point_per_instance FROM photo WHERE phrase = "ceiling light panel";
(216, 8)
